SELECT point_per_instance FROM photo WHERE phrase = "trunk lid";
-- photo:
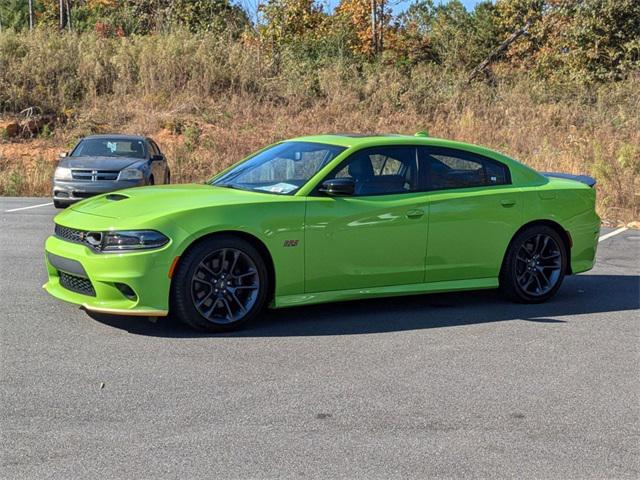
(586, 179)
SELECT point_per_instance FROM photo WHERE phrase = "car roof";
(117, 136)
(350, 140)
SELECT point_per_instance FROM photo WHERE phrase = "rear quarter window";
(446, 168)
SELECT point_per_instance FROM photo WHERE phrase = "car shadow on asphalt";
(580, 295)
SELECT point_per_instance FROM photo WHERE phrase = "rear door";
(474, 212)
(376, 237)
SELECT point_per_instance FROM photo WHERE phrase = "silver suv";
(104, 163)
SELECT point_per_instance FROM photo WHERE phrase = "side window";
(383, 170)
(445, 168)
(154, 148)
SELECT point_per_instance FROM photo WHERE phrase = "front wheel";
(220, 284)
(534, 266)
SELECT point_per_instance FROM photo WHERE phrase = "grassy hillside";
(209, 101)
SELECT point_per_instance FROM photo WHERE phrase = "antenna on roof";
(421, 133)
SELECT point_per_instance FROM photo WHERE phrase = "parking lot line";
(611, 234)
(27, 208)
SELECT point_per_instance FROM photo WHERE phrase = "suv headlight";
(130, 174)
(132, 240)
(62, 173)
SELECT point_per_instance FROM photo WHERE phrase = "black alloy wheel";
(535, 265)
(219, 284)
(225, 285)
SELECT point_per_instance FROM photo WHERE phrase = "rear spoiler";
(586, 179)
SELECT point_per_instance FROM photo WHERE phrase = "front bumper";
(74, 191)
(144, 272)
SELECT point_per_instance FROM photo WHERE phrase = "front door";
(376, 237)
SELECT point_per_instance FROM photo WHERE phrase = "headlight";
(130, 174)
(132, 240)
(62, 173)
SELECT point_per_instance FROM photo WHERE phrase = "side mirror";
(63, 154)
(156, 158)
(338, 187)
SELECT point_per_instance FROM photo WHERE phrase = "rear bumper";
(74, 191)
(144, 273)
(584, 231)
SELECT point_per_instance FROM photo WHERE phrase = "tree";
(603, 40)
(590, 39)
(207, 15)
(286, 20)
(369, 21)
(14, 14)
(448, 34)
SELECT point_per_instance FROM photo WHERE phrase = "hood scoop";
(114, 197)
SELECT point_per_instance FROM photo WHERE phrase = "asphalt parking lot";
(455, 385)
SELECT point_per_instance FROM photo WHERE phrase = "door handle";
(415, 213)
(507, 203)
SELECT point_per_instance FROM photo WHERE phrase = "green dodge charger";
(325, 218)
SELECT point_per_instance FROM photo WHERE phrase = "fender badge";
(291, 243)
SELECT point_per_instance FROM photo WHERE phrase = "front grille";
(92, 240)
(94, 175)
(70, 234)
(77, 284)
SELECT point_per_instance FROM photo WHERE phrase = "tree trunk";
(68, 7)
(30, 14)
(61, 12)
(374, 24)
(381, 27)
(499, 50)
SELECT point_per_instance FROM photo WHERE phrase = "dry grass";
(217, 106)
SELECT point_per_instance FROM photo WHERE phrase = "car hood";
(99, 163)
(162, 200)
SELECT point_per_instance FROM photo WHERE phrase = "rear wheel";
(220, 284)
(534, 266)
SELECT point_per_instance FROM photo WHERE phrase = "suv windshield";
(109, 147)
(281, 169)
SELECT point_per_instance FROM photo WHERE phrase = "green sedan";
(321, 219)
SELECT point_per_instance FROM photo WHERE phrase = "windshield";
(281, 169)
(109, 147)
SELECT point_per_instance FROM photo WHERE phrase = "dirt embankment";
(200, 138)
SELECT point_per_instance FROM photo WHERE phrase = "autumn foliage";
(215, 81)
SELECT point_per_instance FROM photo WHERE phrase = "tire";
(534, 265)
(213, 286)
(151, 181)
(167, 180)
(58, 204)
